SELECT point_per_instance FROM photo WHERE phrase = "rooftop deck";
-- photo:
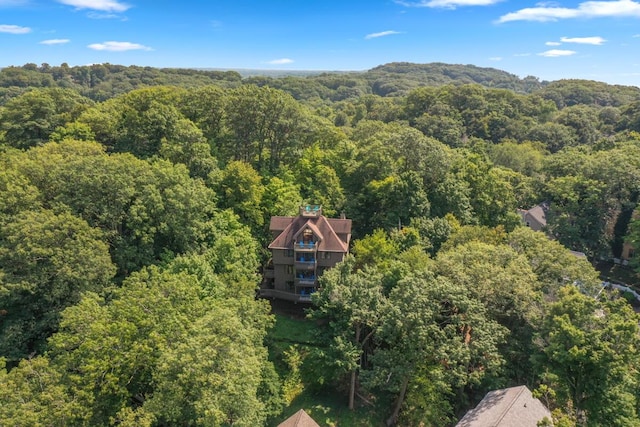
(311, 211)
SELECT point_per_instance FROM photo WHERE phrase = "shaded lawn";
(324, 405)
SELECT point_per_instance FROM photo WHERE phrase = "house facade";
(303, 247)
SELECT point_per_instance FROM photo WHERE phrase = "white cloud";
(553, 43)
(103, 5)
(98, 15)
(55, 41)
(597, 41)
(588, 9)
(495, 58)
(381, 34)
(448, 4)
(14, 29)
(118, 46)
(554, 53)
(281, 61)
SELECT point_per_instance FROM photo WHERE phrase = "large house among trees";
(303, 247)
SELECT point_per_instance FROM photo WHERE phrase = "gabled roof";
(279, 223)
(324, 228)
(311, 226)
(299, 419)
(509, 407)
(537, 213)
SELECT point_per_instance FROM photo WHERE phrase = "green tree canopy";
(47, 261)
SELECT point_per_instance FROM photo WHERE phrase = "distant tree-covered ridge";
(103, 81)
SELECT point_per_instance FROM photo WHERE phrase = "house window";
(325, 255)
(289, 253)
(289, 269)
(290, 286)
(307, 236)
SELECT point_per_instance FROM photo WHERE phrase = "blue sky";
(598, 40)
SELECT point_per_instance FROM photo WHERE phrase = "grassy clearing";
(290, 342)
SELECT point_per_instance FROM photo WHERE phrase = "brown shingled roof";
(299, 419)
(340, 226)
(321, 226)
(279, 223)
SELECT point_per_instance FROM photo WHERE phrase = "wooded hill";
(134, 212)
(102, 81)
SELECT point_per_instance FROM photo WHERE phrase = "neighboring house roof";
(509, 407)
(289, 227)
(578, 254)
(299, 419)
(537, 214)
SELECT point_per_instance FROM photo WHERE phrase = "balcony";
(289, 296)
(306, 264)
(305, 280)
(269, 273)
(305, 246)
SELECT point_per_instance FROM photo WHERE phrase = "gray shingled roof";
(509, 407)
(538, 213)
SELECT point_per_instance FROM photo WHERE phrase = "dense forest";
(134, 214)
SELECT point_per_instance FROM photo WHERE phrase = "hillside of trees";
(134, 213)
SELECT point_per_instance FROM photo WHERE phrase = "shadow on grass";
(331, 410)
(326, 406)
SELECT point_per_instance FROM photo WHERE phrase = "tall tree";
(590, 349)
(433, 324)
(47, 261)
(240, 189)
(264, 125)
(353, 304)
(578, 213)
(33, 394)
(504, 282)
(30, 118)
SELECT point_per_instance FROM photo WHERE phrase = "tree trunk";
(352, 390)
(352, 385)
(393, 419)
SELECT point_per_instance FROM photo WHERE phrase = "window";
(325, 255)
(289, 253)
(307, 236)
(289, 269)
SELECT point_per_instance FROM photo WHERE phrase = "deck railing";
(308, 246)
(289, 296)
